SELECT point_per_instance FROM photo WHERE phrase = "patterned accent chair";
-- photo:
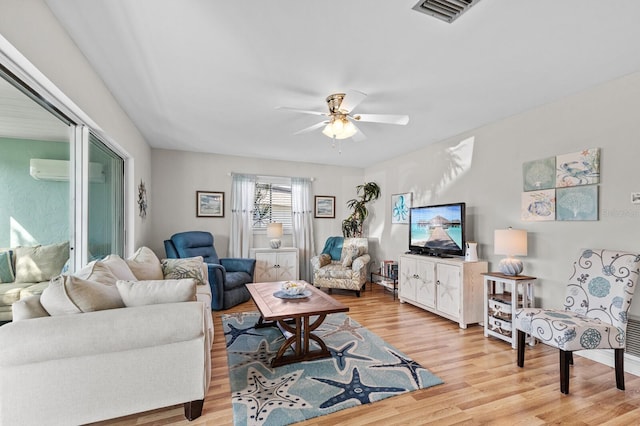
(597, 300)
(349, 272)
(227, 276)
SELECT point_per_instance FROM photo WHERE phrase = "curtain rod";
(261, 174)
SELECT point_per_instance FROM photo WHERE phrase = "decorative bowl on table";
(293, 288)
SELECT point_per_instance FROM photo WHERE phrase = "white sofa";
(71, 369)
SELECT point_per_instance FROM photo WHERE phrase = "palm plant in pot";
(352, 225)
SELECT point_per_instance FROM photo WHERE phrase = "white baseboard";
(603, 356)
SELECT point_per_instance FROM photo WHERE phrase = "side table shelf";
(393, 281)
(503, 295)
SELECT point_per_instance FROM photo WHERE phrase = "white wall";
(177, 175)
(483, 168)
(32, 29)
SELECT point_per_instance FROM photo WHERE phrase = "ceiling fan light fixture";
(340, 128)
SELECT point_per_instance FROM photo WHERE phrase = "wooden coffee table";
(292, 317)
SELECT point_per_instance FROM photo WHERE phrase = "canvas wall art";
(539, 174)
(538, 205)
(577, 203)
(400, 205)
(578, 168)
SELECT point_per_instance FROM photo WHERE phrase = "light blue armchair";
(227, 277)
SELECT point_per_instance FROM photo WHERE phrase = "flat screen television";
(437, 230)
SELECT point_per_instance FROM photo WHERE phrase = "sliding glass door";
(105, 201)
(61, 182)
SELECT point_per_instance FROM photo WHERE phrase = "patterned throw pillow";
(352, 253)
(189, 267)
(6, 267)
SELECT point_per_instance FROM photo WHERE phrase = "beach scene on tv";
(437, 228)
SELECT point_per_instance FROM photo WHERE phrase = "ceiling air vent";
(446, 10)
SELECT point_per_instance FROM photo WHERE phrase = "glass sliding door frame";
(18, 69)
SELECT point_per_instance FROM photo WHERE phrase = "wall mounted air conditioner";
(58, 170)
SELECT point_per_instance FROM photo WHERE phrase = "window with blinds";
(272, 203)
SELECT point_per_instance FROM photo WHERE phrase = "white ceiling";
(207, 76)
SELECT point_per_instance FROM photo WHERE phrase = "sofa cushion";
(145, 265)
(40, 263)
(334, 270)
(33, 289)
(119, 267)
(141, 293)
(190, 267)
(6, 267)
(10, 292)
(68, 294)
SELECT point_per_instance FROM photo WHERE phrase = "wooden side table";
(503, 295)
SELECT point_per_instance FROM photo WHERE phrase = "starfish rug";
(362, 369)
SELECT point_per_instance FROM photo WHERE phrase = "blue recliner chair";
(227, 277)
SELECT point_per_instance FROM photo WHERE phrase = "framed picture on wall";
(325, 206)
(209, 204)
(400, 205)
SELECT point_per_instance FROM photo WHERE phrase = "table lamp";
(274, 231)
(510, 242)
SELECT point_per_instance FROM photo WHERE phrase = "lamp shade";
(510, 242)
(340, 128)
(274, 230)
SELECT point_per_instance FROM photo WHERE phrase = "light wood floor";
(482, 384)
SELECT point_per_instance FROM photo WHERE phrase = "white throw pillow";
(119, 267)
(98, 272)
(68, 294)
(190, 267)
(145, 265)
(40, 263)
(140, 293)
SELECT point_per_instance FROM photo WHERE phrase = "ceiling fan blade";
(358, 136)
(352, 99)
(304, 111)
(382, 118)
(312, 128)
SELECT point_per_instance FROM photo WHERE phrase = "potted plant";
(352, 225)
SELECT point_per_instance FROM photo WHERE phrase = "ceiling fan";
(340, 122)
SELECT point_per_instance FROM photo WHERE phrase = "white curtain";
(242, 201)
(302, 223)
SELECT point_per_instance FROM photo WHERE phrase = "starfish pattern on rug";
(347, 327)
(409, 366)
(263, 395)
(354, 389)
(262, 355)
(236, 332)
(342, 355)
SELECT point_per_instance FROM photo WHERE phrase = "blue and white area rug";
(363, 368)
